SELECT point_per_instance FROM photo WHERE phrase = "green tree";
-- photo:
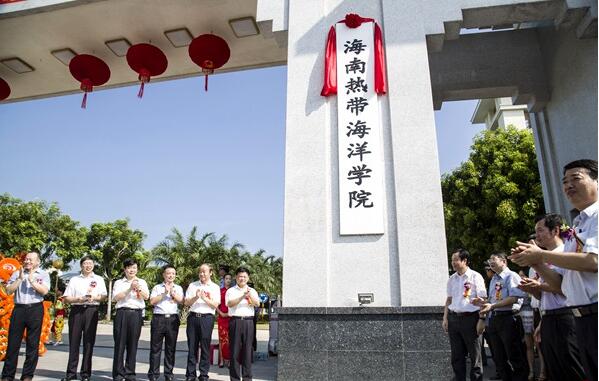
(110, 244)
(491, 200)
(187, 253)
(38, 225)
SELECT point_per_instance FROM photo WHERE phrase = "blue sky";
(178, 158)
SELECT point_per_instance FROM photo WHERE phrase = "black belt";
(557, 311)
(463, 313)
(242, 317)
(85, 305)
(165, 316)
(197, 314)
(27, 305)
(128, 309)
(581, 311)
(502, 313)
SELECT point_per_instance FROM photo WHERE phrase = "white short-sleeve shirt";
(168, 305)
(463, 288)
(243, 308)
(132, 299)
(201, 307)
(580, 287)
(25, 293)
(80, 286)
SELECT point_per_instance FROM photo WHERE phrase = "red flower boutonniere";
(467, 289)
(567, 233)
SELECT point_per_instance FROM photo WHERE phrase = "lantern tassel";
(84, 102)
(206, 82)
(140, 94)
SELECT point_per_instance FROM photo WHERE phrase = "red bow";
(353, 20)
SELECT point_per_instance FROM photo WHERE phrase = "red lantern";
(90, 71)
(146, 60)
(4, 90)
(209, 52)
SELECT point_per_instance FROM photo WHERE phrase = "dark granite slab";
(365, 343)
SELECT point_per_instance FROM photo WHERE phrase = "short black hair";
(588, 164)
(463, 254)
(168, 266)
(242, 270)
(500, 254)
(129, 262)
(551, 220)
(86, 258)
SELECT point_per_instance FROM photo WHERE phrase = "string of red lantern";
(146, 60)
(209, 52)
(90, 71)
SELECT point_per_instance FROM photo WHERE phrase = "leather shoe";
(190, 379)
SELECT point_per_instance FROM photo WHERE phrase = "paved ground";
(52, 365)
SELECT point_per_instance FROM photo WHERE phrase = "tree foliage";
(110, 244)
(491, 200)
(187, 253)
(37, 225)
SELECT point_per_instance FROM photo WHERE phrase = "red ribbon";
(87, 86)
(353, 20)
(144, 77)
(206, 71)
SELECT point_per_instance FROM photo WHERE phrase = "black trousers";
(586, 333)
(241, 337)
(560, 347)
(163, 330)
(126, 331)
(464, 341)
(506, 334)
(83, 322)
(199, 334)
(23, 317)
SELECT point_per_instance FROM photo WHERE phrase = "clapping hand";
(478, 301)
(526, 254)
(529, 285)
(485, 308)
(31, 278)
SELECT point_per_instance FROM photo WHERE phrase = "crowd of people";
(561, 285)
(233, 304)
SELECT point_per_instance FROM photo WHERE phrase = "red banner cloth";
(330, 64)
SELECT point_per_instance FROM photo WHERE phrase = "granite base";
(370, 343)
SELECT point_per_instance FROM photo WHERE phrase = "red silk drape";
(330, 64)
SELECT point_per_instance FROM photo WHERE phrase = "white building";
(500, 113)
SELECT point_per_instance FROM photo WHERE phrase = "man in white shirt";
(29, 284)
(505, 326)
(130, 294)
(576, 267)
(557, 329)
(84, 293)
(461, 316)
(241, 300)
(203, 298)
(165, 297)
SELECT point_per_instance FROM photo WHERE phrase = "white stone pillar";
(406, 266)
